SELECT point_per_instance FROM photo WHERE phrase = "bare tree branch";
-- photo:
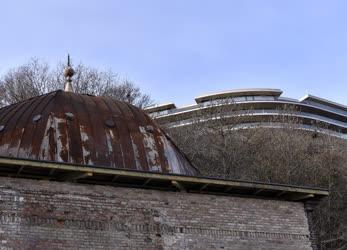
(36, 78)
(219, 148)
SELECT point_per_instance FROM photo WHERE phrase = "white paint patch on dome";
(171, 156)
(86, 153)
(54, 128)
(45, 146)
(152, 154)
(109, 139)
(136, 154)
(62, 146)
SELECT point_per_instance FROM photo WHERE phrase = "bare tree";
(36, 78)
(220, 145)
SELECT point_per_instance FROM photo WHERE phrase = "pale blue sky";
(178, 49)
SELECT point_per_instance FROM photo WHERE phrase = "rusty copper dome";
(88, 130)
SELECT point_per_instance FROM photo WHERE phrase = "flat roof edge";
(103, 176)
(323, 101)
(160, 107)
(239, 92)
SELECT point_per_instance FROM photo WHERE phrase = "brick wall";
(52, 215)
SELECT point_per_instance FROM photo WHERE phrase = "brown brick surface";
(55, 215)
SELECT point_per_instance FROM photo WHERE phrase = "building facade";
(257, 108)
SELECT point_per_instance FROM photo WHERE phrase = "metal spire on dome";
(68, 73)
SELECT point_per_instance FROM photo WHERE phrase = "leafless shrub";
(36, 78)
(280, 151)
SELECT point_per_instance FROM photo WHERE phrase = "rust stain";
(88, 130)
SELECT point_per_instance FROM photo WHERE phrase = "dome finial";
(68, 73)
(68, 60)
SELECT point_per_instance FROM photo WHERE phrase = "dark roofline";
(23, 168)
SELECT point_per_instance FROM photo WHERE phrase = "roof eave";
(24, 168)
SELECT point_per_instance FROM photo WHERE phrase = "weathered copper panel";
(114, 133)
(88, 130)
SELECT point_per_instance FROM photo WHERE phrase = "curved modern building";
(257, 107)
